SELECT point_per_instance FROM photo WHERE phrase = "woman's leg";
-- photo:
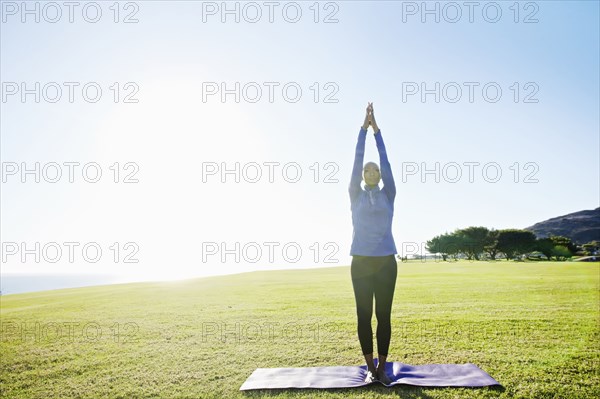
(362, 281)
(385, 284)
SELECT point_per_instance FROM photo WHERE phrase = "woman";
(373, 250)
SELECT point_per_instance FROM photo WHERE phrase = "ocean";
(21, 283)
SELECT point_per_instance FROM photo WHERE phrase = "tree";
(434, 246)
(452, 244)
(545, 246)
(473, 241)
(591, 248)
(514, 242)
(561, 252)
(491, 247)
(565, 242)
(445, 244)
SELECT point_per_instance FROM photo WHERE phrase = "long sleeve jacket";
(372, 208)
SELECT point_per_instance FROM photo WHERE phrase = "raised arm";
(359, 156)
(389, 187)
(354, 188)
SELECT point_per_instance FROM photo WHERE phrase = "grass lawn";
(532, 326)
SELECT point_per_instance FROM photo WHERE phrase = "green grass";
(532, 326)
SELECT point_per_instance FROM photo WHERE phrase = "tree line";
(476, 243)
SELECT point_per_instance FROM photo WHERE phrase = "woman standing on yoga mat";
(373, 250)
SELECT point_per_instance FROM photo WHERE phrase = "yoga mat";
(426, 375)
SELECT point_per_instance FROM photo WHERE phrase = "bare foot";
(371, 377)
(383, 377)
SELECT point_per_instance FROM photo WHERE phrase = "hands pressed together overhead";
(370, 119)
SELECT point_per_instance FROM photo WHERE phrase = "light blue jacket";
(372, 209)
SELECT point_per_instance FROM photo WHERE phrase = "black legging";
(374, 275)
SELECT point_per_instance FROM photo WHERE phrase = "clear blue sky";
(176, 49)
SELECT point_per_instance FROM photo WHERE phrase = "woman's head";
(371, 174)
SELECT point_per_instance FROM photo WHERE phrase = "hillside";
(582, 227)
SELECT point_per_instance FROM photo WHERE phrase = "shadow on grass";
(402, 391)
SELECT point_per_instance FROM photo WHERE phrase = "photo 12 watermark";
(69, 172)
(252, 12)
(449, 333)
(68, 331)
(469, 172)
(469, 92)
(69, 92)
(268, 252)
(269, 172)
(254, 92)
(452, 12)
(69, 251)
(55, 12)
(247, 331)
